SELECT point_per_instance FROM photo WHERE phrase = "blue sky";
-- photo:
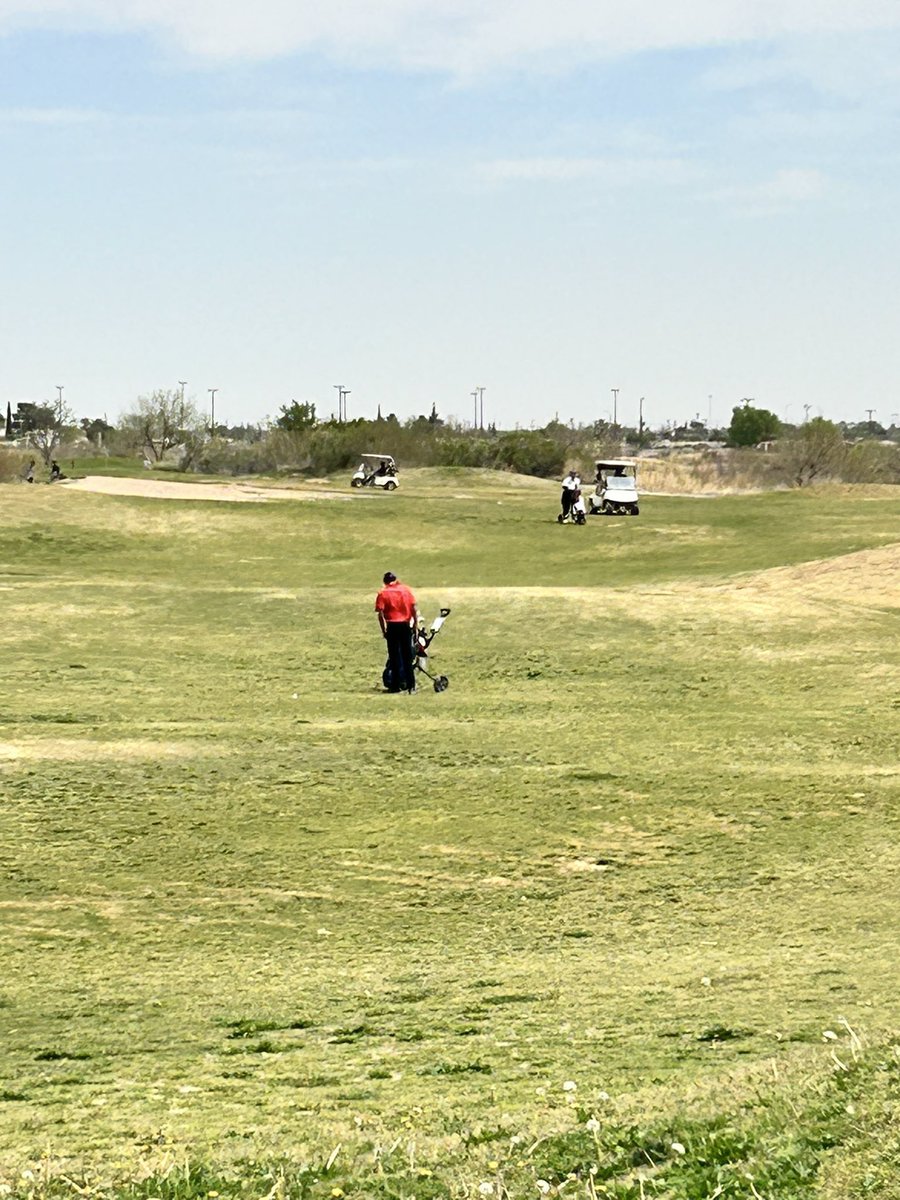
(413, 200)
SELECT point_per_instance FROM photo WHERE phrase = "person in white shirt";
(570, 485)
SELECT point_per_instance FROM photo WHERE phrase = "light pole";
(342, 407)
(480, 407)
(212, 410)
(641, 419)
(615, 395)
(59, 388)
(474, 396)
(806, 408)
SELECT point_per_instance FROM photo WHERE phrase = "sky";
(693, 204)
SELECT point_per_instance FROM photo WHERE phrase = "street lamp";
(474, 396)
(615, 395)
(343, 393)
(212, 410)
(480, 407)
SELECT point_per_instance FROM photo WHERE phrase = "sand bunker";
(170, 489)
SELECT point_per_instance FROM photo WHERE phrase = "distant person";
(55, 472)
(398, 616)
(28, 473)
(570, 486)
(148, 465)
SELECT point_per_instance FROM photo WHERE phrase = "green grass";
(254, 910)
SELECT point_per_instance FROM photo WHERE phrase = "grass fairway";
(268, 932)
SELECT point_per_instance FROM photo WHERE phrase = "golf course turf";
(615, 915)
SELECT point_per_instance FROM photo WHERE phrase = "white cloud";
(612, 171)
(460, 36)
(786, 189)
(49, 116)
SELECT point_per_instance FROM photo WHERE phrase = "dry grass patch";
(82, 750)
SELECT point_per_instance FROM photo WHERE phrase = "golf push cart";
(422, 639)
(616, 491)
(376, 470)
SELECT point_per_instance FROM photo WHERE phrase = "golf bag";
(422, 639)
(577, 513)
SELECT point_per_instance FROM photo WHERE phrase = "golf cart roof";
(380, 457)
(615, 462)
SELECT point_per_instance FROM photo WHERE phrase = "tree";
(95, 429)
(44, 425)
(297, 417)
(816, 449)
(750, 426)
(163, 420)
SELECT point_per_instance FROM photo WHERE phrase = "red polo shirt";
(395, 602)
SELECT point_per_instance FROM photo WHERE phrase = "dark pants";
(566, 501)
(400, 655)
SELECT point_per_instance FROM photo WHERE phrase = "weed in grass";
(52, 1055)
(447, 1068)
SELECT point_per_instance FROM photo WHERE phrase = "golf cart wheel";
(559, 518)
(390, 485)
(441, 683)
(356, 483)
(634, 510)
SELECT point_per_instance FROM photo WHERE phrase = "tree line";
(165, 428)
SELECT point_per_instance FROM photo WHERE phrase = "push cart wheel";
(441, 683)
(390, 485)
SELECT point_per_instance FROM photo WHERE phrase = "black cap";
(389, 577)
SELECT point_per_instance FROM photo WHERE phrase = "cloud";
(50, 116)
(459, 36)
(611, 171)
(785, 190)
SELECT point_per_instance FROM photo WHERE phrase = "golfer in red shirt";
(398, 616)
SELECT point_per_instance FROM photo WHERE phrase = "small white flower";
(543, 1186)
(570, 1086)
(26, 1174)
(678, 1148)
(603, 1095)
(706, 981)
(486, 1189)
(593, 1125)
(828, 1035)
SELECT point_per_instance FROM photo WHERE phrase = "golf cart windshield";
(620, 483)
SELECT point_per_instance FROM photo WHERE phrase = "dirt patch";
(170, 489)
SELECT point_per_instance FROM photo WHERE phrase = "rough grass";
(268, 931)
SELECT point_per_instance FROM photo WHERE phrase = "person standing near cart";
(570, 486)
(398, 616)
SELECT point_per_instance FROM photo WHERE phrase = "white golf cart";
(376, 470)
(616, 491)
